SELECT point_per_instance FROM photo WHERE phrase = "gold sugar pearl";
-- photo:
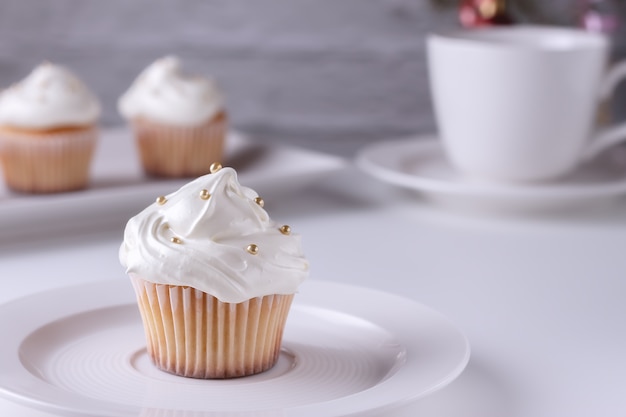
(205, 195)
(215, 166)
(259, 201)
(161, 200)
(176, 240)
(252, 249)
(285, 229)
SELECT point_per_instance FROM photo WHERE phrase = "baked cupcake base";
(48, 161)
(180, 151)
(193, 334)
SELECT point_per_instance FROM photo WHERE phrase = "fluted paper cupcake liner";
(47, 162)
(193, 334)
(179, 151)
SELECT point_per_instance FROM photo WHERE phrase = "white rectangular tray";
(119, 188)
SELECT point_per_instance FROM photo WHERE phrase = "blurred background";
(329, 74)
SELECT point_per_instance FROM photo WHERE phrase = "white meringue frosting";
(164, 94)
(50, 96)
(214, 236)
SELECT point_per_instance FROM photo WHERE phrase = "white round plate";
(80, 351)
(419, 163)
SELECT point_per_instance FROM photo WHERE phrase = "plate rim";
(341, 406)
(368, 159)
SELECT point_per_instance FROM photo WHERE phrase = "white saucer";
(346, 350)
(419, 163)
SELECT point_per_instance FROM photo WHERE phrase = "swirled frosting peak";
(164, 94)
(49, 97)
(214, 235)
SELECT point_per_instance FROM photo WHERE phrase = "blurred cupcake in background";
(178, 120)
(48, 131)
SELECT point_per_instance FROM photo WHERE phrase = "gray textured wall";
(303, 66)
(290, 68)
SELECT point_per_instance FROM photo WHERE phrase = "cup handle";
(613, 135)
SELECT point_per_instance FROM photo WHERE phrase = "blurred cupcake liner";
(191, 333)
(180, 151)
(47, 162)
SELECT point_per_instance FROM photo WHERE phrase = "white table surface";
(542, 299)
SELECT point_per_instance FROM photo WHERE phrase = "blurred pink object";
(478, 13)
(599, 16)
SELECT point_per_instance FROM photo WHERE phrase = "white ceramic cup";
(520, 103)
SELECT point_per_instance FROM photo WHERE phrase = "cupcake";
(214, 278)
(179, 121)
(48, 131)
